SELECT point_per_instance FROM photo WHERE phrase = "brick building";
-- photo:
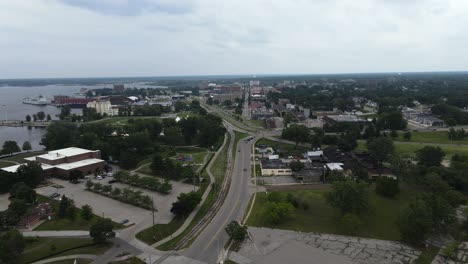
(63, 161)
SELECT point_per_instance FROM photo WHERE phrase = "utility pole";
(152, 212)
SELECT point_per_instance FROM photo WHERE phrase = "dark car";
(112, 181)
(123, 222)
(55, 195)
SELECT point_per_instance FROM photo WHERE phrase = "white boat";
(40, 100)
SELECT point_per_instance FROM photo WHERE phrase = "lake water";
(12, 108)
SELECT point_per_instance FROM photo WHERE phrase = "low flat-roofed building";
(63, 161)
(275, 168)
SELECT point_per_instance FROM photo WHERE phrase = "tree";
(62, 210)
(27, 146)
(18, 207)
(275, 213)
(392, 120)
(65, 112)
(23, 192)
(380, 150)
(350, 223)
(387, 187)
(101, 230)
(10, 147)
(28, 118)
(86, 212)
(393, 134)
(75, 175)
(41, 115)
(349, 196)
(12, 245)
(407, 136)
(157, 164)
(236, 231)
(415, 222)
(296, 166)
(48, 117)
(179, 106)
(430, 156)
(89, 184)
(30, 173)
(185, 203)
(70, 212)
(296, 133)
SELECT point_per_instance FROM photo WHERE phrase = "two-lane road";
(209, 244)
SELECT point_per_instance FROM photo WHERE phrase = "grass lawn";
(66, 224)
(4, 164)
(121, 120)
(71, 261)
(401, 148)
(432, 137)
(133, 260)
(380, 222)
(289, 148)
(161, 231)
(20, 157)
(427, 256)
(256, 171)
(42, 247)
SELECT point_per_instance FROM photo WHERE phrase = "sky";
(107, 38)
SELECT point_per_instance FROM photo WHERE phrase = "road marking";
(224, 224)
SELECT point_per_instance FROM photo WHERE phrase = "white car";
(109, 174)
(99, 178)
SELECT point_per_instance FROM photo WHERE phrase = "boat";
(39, 100)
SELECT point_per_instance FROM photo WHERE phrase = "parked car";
(55, 195)
(123, 222)
(99, 178)
(109, 174)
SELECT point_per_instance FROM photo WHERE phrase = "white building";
(104, 107)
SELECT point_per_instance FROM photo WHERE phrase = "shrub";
(275, 213)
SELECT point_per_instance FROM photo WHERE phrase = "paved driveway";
(116, 210)
(4, 202)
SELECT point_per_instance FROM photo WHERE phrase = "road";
(209, 244)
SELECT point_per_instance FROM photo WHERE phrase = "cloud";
(67, 38)
(131, 7)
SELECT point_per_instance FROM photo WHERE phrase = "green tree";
(18, 207)
(102, 230)
(296, 133)
(86, 212)
(89, 184)
(49, 118)
(275, 213)
(27, 146)
(380, 150)
(12, 245)
(393, 134)
(185, 203)
(349, 196)
(236, 231)
(296, 166)
(23, 192)
(387, 187)
(62, 209)
(28, 118)
(41, 115)
(415, 222)
(430, 156)
(10, 147)
(30, 173)
(75, 175)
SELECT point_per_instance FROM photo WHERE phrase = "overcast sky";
(92, 38)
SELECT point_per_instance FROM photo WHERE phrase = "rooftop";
(78, 164)
(14, 168)
(62, 153)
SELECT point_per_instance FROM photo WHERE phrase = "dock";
(21, 123)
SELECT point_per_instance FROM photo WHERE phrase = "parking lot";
(278, 180)
(116, 210)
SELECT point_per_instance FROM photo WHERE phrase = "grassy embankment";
(44, 247)
(161, 231)
(218, 170)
